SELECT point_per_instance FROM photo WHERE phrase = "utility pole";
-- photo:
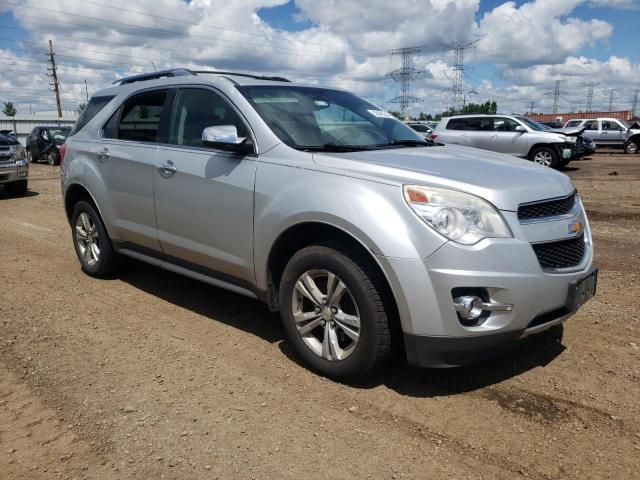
(611, 95)
(590, 85)
(86, 91)
(457, 77)
(54, 75)
(634, 105)
(404, 75)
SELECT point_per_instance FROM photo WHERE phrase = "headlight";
(17, 152)
(460, 217)
(570, 139)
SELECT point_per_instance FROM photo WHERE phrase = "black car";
(43, 142)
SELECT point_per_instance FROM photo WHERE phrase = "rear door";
(126, 159)
(591, 130)
(480, 132)
(204, 196)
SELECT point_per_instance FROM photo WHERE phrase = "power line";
(590, 85)
(404, 75)
(457, 77)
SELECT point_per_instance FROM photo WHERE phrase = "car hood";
(504, 180)
(571, 131)
(5, 140)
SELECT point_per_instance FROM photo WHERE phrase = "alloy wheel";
(326, 315)
(543, 158)
(51, 158)
(87, 239)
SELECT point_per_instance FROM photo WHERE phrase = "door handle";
(167, 169)
(103, 155)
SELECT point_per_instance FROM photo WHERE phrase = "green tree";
(9, 109)
(397, 115)
(81, 107)
(143, 112)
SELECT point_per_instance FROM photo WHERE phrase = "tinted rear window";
(477, 124)
(93, 107)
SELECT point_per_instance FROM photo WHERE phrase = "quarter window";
(196, 109)
(140, 119)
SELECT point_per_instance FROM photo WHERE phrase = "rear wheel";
(16, 189)
(53, 158)
(333, 313)
(631, 146)
(546, 156)
(91, 242)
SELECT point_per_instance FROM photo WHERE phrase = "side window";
(45, 134)
(591, 125)
(196, 109)
(504, 125)
(93, 107)
(110, 129)
(573, 123)
(140, 119)
(609, 125)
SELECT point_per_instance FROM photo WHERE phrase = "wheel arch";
(304, 234)
(75, 193)
(535, 146)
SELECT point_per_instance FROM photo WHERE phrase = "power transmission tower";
(611, 97)
(54, 75)
(404, 75)
(557, 91)
(531, 105)
(457, 76)
(590, 85)
(634, 105)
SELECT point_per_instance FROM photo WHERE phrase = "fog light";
(469, 307)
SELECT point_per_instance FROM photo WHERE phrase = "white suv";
(510, 134)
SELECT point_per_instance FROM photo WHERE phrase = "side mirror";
(225, 137)
(520, 128)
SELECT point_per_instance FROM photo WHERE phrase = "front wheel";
(631, 146)
(333, 313)
(30, 156)
(91, 242)
(546, 156)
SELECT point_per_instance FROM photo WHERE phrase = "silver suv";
(608, 132)
(365, 237)
(511, 134)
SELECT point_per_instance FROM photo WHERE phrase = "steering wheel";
(372, 136)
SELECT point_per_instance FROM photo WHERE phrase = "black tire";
(631, 147)
(30, 157)
(16, 189)
(53, 158)
(373, 348)
(549, 152)
(108, 259)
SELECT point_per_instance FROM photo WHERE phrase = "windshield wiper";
(332, 147)
(408, 143)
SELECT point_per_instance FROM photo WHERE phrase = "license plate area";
(582, 291)
(566, 153)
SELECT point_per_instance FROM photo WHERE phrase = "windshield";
(322, 119)
(531, 124)
(59, 135)
(624, 124)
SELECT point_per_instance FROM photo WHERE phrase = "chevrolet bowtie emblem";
(576, 227)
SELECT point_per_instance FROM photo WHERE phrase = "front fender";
(375, 214)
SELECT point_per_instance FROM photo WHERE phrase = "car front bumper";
(507, 269)
(12, 171)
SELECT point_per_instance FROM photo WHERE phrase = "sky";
(520, 48)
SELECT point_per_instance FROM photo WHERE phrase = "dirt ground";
(152, 375)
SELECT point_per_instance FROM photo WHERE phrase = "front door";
(204, 197)
(506, 139)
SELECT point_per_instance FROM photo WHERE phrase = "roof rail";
(180, 72)
(174, 72)
(240, 74)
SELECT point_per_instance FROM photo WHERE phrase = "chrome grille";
(560, 254)
(547, 208)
